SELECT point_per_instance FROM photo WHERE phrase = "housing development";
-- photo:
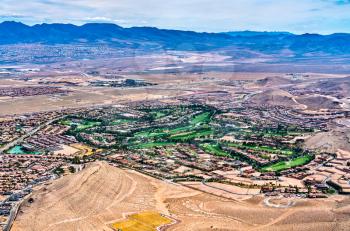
(226, 143)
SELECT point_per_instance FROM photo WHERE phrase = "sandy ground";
(83, 95)
(101, 194)
(66, 150)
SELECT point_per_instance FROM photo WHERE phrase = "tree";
(76, 160)
(296, 189)
(308, 189)
(58, 171)
(71, 169)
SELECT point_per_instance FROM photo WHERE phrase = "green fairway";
(81, 125)
(201, 118)
(185, 136)
(150, 134)
(269, 149)
(88, 124)
(158, 114)
(120, 121)
(287, 164)
(153, 144)
(196, 127)
(66, 122)
(180, 133)
(214, 149)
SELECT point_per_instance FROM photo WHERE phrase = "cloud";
(13, 16)
(323, 16)
(98, 19)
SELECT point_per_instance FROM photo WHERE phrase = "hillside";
(91, 200)
(338, 87)
(274, 97)
(330, 141)
(318, 102)
(101, 195)
(274, 81)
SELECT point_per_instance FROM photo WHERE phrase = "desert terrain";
(100, 195)
(80, 91)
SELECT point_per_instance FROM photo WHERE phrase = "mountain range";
(154, 38)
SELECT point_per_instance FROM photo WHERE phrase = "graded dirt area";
(101, 195)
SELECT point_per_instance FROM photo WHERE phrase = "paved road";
(12, 217)
(20, 139)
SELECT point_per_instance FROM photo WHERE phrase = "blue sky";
(298, 16)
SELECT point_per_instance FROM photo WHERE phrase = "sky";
(297, 16)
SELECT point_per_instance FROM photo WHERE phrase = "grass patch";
(179, 129)
(120, 121)
(269, 149)
(81, 124)
(153, 145)
(201, 118)
(150, 134)
(214, 149)
(158, 114)
(191, 135)
(283, 165)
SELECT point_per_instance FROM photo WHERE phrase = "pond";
(18, 149)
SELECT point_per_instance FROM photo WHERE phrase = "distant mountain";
(153, 38)
(248, 33)
(15, 32)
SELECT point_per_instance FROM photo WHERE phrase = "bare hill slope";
(318, 102)
(274, 97)
(274, 81)
(100, 194)
(330, 141)
(89, 200)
